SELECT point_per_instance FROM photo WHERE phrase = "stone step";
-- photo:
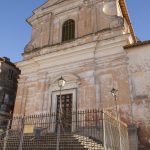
(45, 144)
(42, 137)
(38, 140)
(45, 148)
(88, 143)
(49, 142)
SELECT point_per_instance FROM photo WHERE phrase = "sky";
(15, 32)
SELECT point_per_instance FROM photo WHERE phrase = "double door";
(64, 114)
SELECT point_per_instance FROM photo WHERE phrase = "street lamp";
(61, 84)
(114, 94)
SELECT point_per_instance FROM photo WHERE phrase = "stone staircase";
(49, 142)
(89, 142)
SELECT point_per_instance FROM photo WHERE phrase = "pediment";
(38, 10)
(51, 3)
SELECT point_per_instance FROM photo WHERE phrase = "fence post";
(120, 137)
(6, 136)
(104, 131)
(22, 130)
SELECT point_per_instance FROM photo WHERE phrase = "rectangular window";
(10, 74)
(2, 97)
(68, 30)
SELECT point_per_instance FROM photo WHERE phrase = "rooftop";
(7, 61)
(140, 43)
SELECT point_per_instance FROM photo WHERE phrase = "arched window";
(68, 30)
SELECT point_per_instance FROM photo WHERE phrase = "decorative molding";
(110, 7)
(72, 81)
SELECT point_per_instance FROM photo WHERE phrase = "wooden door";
(66, 113)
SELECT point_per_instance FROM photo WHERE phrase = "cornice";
(137, 44)
(126, 16)
(9, 63)
(85, 40)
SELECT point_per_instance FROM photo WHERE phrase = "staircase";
(89, 142)
(49, 142)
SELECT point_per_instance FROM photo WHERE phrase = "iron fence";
(89, 129)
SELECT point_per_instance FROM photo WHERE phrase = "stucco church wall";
(112, 72)
(93, 65)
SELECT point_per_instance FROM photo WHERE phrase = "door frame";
(74, 103)
(68, 129)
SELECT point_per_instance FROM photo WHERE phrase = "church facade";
(91, 44)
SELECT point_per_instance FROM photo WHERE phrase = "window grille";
(68, 30)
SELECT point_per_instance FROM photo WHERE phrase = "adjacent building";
(138, 56)
(9, 74)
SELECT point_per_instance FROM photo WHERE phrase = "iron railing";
(93, 129)
(115, 133)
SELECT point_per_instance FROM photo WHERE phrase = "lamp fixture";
(61, 82)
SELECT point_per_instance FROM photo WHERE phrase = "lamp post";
(114, 94)
(61, 84)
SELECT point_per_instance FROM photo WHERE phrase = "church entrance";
(66, 113)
